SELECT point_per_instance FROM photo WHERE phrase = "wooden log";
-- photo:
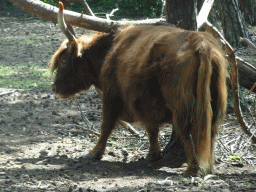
(247, 76)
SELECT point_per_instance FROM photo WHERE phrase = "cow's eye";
(63, 63)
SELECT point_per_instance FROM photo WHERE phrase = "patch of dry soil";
(41, 148)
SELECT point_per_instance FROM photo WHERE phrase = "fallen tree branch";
(83, 117)
(50, 13)
(252, 89)
(130, 128)
(245, 63)
(251, 45)
(6, 93)
(204, 12)
(90, 131)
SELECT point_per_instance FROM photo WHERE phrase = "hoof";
(95, 155)
(194, 172)
(190, 174)
(154, 156)
(87, 157)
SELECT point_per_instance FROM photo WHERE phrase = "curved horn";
(62, 24)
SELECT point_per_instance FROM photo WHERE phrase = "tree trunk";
(248, 9)
(232, 23)
(176, 12)
(247, 76)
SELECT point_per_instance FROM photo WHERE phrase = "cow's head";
(72, 69)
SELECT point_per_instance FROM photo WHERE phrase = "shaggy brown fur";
(155, 75)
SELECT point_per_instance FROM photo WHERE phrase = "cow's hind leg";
(112, 107)
(198, 148)
(183, 131)
(202, 151)
(193, 167)
(154, 146)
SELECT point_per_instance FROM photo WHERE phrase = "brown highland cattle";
(151, 74)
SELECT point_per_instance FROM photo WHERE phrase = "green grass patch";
(25, 42)
(24, 76)
(5, 71)
(235, 158)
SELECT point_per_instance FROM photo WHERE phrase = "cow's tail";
(211, 100)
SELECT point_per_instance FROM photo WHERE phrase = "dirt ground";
(42, 148)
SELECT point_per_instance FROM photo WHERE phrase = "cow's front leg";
(112, 106)
(154, 146)
(106, 129)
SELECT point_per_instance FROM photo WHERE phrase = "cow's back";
(133, 67)
(144, 64)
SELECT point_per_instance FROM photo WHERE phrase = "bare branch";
(6, 93)
(90, 131)
(83, 117)
(112, 13)
(130, 128)
(253, 87)
(49, 12)
(86, 7)
(247, 41)
(245, 63)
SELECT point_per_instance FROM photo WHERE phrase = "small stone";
(124, 152)
(54, 113)
(2, 175)
(210, 176)
(43, 153)
(95, 179)
(25, 177)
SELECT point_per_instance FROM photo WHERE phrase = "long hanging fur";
(209, 99)
(155, 75)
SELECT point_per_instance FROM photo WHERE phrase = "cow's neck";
(94, 68)
(96, 57)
